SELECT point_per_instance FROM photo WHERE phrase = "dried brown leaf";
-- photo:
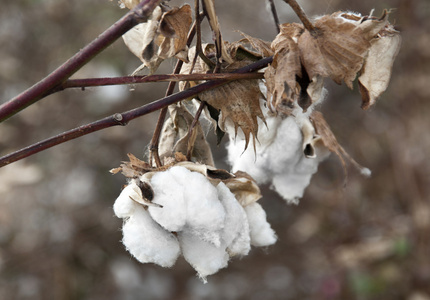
(174, 27)
(175, 138)
(376, 71)
(133, 168)
(238, 101)
(244, 188)
(336, 49)
(261, 47)
(162, 37)
(281, 74)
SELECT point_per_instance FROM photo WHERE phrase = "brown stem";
(301, 14)
(124, 118)
(274, 14)
(104, 81)
(199, 50)
(38, 91)
(209, 11)
(153, 148)
(190, 130)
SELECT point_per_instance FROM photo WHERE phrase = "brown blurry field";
(59, 238)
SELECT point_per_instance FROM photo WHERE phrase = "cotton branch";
(44, 87)
(125, 117)
(301, 14)
(104, 81)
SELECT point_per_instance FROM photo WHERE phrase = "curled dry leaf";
(238, 101)
(175, 136)
(281, 74)
(162, 37)
(209, 7)
(376, 72)
(329, 140)
(244, 188)
(336, 49)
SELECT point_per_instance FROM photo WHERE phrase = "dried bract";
(340, 46)
(238, 101)
(162, 37)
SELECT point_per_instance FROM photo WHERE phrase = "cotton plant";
(178, 203)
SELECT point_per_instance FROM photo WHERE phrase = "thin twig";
(190, 146)
(124, 118)
(38, 91)
(199, 49)
(302, 15)
(274, 14)
(153, 147)
(104, 81)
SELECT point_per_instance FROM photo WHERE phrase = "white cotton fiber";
(124, 206)
(205, 214)
(204, 257)
(147, 241)
(260, 231)
(236, 229)
(279, 158)
(169, 193)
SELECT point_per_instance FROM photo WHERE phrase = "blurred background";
(59, 238)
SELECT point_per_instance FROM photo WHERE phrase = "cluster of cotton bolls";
(181, 211)
(287, 153)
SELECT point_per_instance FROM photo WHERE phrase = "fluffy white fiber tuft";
(147, 241)
(279, 158)
(260, 231)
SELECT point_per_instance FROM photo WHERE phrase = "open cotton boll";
(169, 193)
(204, 257)
(205, 214)
(124, 206)
(147, 241)
(236, 229)
(260, 231)
(279, 160)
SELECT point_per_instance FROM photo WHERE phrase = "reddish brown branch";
(124, 118)
(139, 14)
(153, 147)
(103, 81)
(301, 14)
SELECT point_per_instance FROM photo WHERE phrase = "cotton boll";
(205, 214)
(204, 257)
(279, 157)
(169, 193)
(260, 231)
(236, 229)
(124, 206)
(147, 241)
